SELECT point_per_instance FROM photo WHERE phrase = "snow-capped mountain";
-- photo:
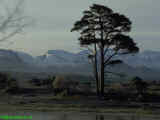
(150, 59)
(61, 57)
(129, 72)
(144, 64)
(26, 58)
(17, 61)
(9, 58)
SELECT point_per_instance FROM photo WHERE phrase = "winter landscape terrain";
(144, 64)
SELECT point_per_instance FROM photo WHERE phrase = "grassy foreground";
(49, 103)
(44, 107)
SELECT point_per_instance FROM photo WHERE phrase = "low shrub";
(8, 84)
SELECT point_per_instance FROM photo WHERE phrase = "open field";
(74, 103)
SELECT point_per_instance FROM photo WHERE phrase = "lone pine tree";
(103, 30)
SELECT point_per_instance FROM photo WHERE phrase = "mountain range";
(144, 64)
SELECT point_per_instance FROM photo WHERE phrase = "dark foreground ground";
(31, 98)
(48, 102)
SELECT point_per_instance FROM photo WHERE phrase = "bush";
(62, 83)
(140, 85)
(7, 83)
(36, 82)
(12, 83)
(4, 78)
(43, 82)
(49, 81)
(13, 86)
(117, 95)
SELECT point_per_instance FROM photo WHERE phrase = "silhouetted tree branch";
(106, 29)
(12, 20)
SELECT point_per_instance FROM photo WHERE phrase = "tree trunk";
(102, 60)
(102, 71)
(96, 71)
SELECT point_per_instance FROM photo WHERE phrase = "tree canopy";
(104, 30)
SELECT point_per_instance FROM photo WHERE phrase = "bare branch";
(109, 58)
(106, 50)
(114, 73)
(13, 21)
(91, 50)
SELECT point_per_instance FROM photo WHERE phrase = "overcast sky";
(54, 19)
